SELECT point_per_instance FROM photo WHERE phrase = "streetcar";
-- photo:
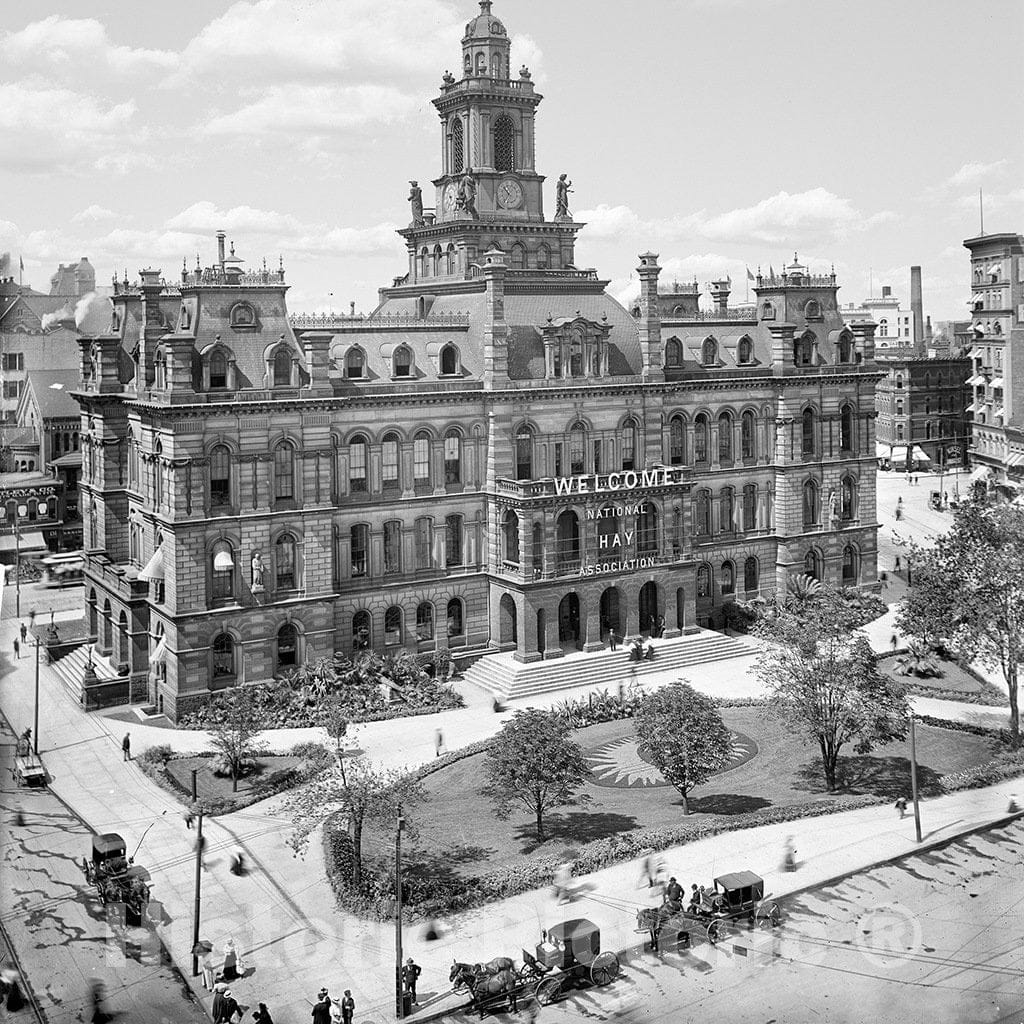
(64, 570)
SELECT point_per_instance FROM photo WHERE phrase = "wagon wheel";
(768, 915)
(717, 931)
(548, 991)
(605, 968)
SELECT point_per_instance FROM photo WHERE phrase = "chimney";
(917, 308)
(886, 291)
(928, 333)
(720, 293)
(351, 309)
(649, 323)
(220, 250)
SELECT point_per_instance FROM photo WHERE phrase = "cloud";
(27, 106)
(67, 44)
(377, 240)
(701, 267)
(204, 218)
(124, 161)
(93, 214)
(974, 173)
(612, 222)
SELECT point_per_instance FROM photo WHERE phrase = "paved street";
(935, 937)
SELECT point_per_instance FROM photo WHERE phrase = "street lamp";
(19, 511)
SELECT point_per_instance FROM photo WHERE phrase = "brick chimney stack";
(917, 307)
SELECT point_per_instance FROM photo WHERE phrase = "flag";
(21, 264)
(750, 276)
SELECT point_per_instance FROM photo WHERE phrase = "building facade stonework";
(499, 457)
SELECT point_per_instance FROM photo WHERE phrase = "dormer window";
(282, 368)
(449, 361)
(767, 311)
(402, 362)
(845, 349)
(218, 371)
(744, 351)
(812, 311)
(673, 352)
(242, 316)
(709, 352)
(803, 351)
(355, 364)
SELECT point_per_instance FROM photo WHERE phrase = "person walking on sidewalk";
(410, 974)
(17, 649)
(348, 1007)
(901, 807)
(262, 1015)
(24, 632)
(321, 1008)
(126, 747)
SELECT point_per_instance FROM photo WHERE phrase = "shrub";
(157, 756)
(1006, 766)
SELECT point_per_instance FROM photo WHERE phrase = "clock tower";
(489, 194)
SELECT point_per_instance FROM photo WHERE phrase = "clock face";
(510, 194)
(451, 192)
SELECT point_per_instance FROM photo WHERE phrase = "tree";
(683, 733)
(823, 680)
(969, 590)
(361, 792)
(239, 718)
(336, 715)
(533, 763)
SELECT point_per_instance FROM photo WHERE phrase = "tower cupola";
(485, 46)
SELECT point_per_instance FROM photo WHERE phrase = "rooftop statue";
(562, 190)
(416, 201)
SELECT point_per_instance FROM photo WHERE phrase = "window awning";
(159, 654)
(979, 473)
(997, 382)
(1000, 411)
(921, 455)
(976, 381)
(154, 568)
(1015, 459)
(975, 299)
(31, 540)
(972, 408)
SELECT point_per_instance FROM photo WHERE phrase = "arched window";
(577, 449)
(899, 407)
(812, 564)
(284, 471)
(848, 502)
(425, 621)
(709, 352)
(392, 547)
(726, 509)
(702, 514)
(452, 541)
(767, 311)
(452, 457)
(458, 146)
(510, 532)
(807, 432)
(425, 261)
(673, 352)
(845, 348)
(455, 627)
(883, 328)
(647, 530)
(504, 143)
(438, 268)
(222, 571)
(899, 382)
(518, 257)
(133, 462)
(158, 475)
(629, 441)
(846, 428)
(220, 476)
(727, 578)
(810, 503)
(803, 350)
(704, 581)
(725, 437)
(223, 648)
(362, 632)
(449, 360)
(218, 370)
(242, 315)
(359, 538)
(282, 368)
(812, 311)
(285, 577)
(524, 454)
(357, 463)
(676, 441)
(749, 507)
(750, 575)
(851, 565)
(355, 363)
(450, 259)
(543, 258)
(160, 369)
(389, 460)
(287, 646)
(744, 351)
(423, 539)
(700, 438)
(576, 354)
(748, 436)
(421, 457)
(402, 361)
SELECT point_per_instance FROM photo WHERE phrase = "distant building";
(31, 508)
(996, 383)
(895, 328)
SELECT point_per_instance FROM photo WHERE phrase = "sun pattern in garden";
(621, 763)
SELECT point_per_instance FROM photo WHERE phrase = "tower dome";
(485, 25)
(485, 46)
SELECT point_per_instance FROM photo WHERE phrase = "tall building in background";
(996, 383)
(500, 457)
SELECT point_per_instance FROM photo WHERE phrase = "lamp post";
(399, 1001)
(35, 718)
(198, 894)
(19, 511)
(913, 779)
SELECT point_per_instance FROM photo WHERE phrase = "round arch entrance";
(507, 620)
(611, 613)
(569, 622)
(649, 611)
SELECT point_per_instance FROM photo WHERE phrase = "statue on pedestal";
(562, 189)
(833, 507)
(466, 199)
(416, 201)
(258, 570)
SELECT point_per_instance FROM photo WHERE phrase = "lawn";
(456, 829)
(212, 787)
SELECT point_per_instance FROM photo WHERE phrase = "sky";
(721, 134)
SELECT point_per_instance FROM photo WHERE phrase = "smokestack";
(220, 250)
(886, 291)
(351, 309)
(917, 307)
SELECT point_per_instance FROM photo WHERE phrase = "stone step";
(507, 679)
(71, 668)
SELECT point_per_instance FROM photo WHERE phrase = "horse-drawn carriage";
(568, 955)
(713, 911)
(28, 768)
(116, 878)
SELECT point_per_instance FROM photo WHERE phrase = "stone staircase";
(71, 668)
(509, 679)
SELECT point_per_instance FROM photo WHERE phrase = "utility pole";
(399, 1001)
(35, 722)
(913, 780)
(195, 910)
(17, 559)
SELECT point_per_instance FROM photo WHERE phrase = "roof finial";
(485, 6)
(280, 263)
(232, 247)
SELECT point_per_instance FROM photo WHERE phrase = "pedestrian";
(335, 1012)
(126, 747)
(17, 649)
(262, 1015)
(893, 640)
(901, 807)
(24, 632)
(897, 568)
(15, 1000)
(19, 817)
(209, 971)
(218, 1000)
(899, 513)
(97, 998)
(945, 497)
(189, 817)
(661, 626)
(694, 897)
(562, 886)
(899, 501)
(1012, 807)
(228, 1008)
(410, 974)
(238, 864)
(229, 972)
(200, 848)
(438, 742)
(788, 855)
(674, 892)
(32, 617)
(348, 1007)
(613, 640)
(322, 1008)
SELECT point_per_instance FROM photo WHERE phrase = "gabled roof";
(52, 390)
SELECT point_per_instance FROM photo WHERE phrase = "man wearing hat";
(228, 1008)
(410, 972)
(322, 1008)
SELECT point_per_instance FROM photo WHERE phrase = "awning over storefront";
(921, 455)
(979, 473)
(154, 568)
(1000, 411)
(30, 541)
(1015, 459)
(972, 408)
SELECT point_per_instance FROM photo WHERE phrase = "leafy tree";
(240, 717)
(969, 590)
(358, 790)
(534, 763)
(336, 715)
(683, 733)
(823, 680)
(802, 587)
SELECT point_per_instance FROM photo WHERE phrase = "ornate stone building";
(499, 457)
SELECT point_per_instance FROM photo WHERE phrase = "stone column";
(592, 626)
(552, 645)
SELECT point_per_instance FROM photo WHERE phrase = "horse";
(654, 919)
(488, 987)
(463, 974)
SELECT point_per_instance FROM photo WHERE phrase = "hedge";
(1006, 766)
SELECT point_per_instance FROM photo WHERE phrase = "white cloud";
(93, 214)
(205, 218)
(974, 173)
(701, 267)
(612, 221)
(66, 44)
(29, 106)
(123, 161)
(377, 240)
